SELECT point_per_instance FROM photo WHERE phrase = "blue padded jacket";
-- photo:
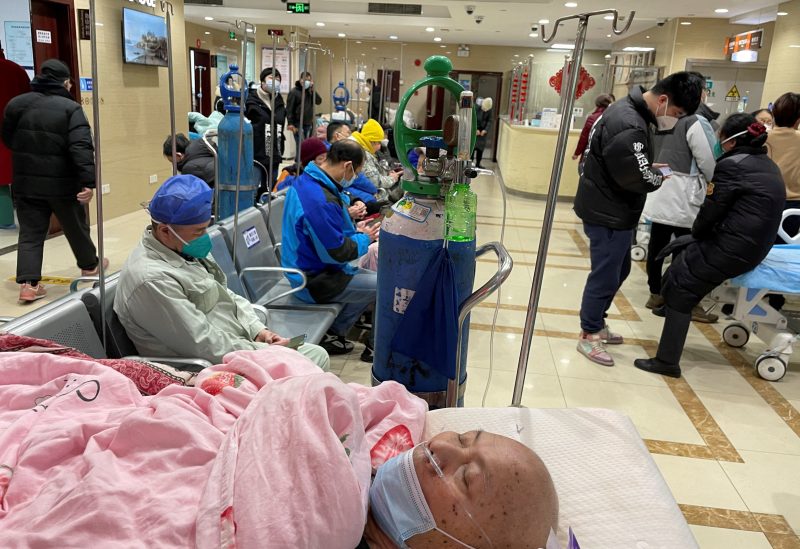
(319, 237)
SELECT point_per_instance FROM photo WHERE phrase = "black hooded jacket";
(734, 230)
(293, 105)
(706, 112)
(617, 174)
(259, 114)
(198, 160)
(50, 141)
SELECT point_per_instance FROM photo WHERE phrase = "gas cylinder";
(228, 154)
(412, 233)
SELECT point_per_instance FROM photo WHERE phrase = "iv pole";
(242, 95)
(567, 101)
(170, 12)
(98, 163)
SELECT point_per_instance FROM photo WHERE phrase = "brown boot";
(700, 315)
(654, 302)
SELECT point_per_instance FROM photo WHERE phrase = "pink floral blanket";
(266, 451)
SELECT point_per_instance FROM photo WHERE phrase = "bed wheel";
(736, 335)
(638, 253)
(771, 368)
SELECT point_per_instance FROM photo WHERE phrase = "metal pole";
(242, 97)
(98, 169)
(330, 81)
(273, 128)
(171, 80)
(301, 122)
(552, 196)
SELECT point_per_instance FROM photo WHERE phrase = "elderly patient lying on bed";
(266, 451)
(475, 489)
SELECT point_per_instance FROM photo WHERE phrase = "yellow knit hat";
(371, 132)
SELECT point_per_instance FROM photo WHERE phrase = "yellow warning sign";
(733, 95)
(55, 280)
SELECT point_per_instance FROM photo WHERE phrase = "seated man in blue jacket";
(319, 238)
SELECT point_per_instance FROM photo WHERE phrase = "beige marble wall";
(783, 72)
(134, 108)
(525, 158)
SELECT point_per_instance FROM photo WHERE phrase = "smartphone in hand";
(295, 342)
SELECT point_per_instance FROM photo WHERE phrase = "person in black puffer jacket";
(53, 173)
(731, 235)
(265, 125)
(194, 157)
(617, 176)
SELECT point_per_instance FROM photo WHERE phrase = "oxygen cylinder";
(411, 236)
(230, 161)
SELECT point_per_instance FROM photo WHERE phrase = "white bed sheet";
(610, 490)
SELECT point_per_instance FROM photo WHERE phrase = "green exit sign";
(298, 7)
(232, 35)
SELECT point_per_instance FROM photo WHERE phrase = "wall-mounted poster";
(281, 63)
(19, 45)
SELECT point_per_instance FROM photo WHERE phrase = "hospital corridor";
(354, 275)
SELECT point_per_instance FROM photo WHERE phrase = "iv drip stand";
(567, 101)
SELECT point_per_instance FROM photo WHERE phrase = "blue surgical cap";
(182, 200)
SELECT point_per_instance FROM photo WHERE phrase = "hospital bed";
(611, 492)
(779, 273)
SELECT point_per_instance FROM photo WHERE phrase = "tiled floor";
(727, 442)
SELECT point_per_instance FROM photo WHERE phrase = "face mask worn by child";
(199, 248)
(398, 503)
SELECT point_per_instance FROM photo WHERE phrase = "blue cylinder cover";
(410, 238)
(228, 153)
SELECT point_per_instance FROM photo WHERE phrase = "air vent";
(378, 8)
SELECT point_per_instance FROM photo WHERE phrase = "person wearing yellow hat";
(371, 137)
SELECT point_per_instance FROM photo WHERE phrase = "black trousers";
(34, 221)
(660, 236)
(478, 157)
(673, 336)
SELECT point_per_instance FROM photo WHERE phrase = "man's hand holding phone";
(666, 171)
(371, 229)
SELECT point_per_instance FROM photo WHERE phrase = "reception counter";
(525, 158)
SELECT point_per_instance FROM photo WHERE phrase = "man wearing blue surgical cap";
(173, 299)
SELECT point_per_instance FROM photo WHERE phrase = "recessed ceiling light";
(686, 23)
(516, 55)
(208, 18)
(443, 46)
(609, 17)
(437, 39)
(530, 55)
(393, 37)
(637, 48)
(544, 21)
(374, 48)
(320, 24)
(251, 30)
(782, 13)
(794, 45)
(358, 41)
(209, 32)
(571, 5)
(607, 36)
(721, 10)
(608, 56)
(341, 35)
(534, 35)
(429, 29)
(648, 36)
(448, 53)
(563, 46)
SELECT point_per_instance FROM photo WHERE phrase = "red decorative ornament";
(585, 82)
(417, 62)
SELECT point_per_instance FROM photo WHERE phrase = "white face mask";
(666, 122)
(385, 142)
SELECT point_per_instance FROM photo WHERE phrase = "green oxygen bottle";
(460, 211)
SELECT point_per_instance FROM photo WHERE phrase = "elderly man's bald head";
(493, 487)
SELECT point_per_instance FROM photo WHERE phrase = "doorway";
(723, 76)
(482, 84)
(200, 65)
(55, 37)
